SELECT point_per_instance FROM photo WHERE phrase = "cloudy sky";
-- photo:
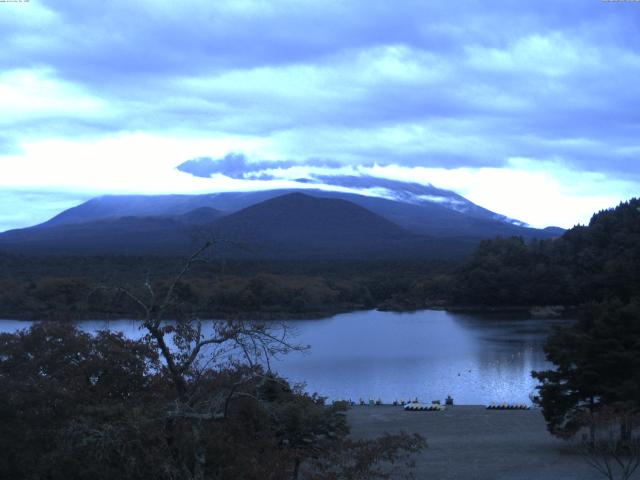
(529, 108)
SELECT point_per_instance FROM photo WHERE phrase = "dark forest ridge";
(271, 224)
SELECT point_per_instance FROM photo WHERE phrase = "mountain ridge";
(294, 225)
(427, 218)
(283, 223)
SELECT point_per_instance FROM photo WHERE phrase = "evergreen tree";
(597, 364)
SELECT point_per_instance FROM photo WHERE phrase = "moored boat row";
(508, 406)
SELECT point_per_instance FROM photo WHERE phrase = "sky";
(528, 108)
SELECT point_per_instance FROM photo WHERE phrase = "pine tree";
(597, 364)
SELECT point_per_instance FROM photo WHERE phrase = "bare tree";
(190, 348)
(613, 445)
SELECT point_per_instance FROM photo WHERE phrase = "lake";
(429, 354)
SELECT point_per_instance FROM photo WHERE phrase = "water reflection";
(387, 355)
(428, 354)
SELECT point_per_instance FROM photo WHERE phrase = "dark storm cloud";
(408, 83)
(238, 166)
(232, 165)
(94, 40)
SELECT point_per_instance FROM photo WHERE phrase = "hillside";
(409, 212)
(120, 236)
(587, 263)
(293, 225)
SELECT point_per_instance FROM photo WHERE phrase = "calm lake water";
(477, 359)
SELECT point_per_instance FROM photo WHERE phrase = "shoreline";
(249, 315)
(532, 311)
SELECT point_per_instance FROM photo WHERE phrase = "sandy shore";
(470, 442)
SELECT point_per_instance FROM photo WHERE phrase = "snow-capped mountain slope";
(415, 193)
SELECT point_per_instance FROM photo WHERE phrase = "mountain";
(421, 217)
(296, 224)
(159, 235)
(389, 218)
(127, 235)
(200, 216)
(296, 217)
(117, 206)
(236, 165)
(292, 225)
(413, 193)
(434, 219)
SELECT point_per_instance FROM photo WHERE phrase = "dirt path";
(470, 442)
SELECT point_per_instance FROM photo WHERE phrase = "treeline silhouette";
(62, 288)
(588, 263)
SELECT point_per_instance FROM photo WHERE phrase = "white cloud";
(126, 163)
(554, 54)
(539, 192)
(32, 94)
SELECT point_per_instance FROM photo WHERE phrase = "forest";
(588, 263)
(70, 288)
